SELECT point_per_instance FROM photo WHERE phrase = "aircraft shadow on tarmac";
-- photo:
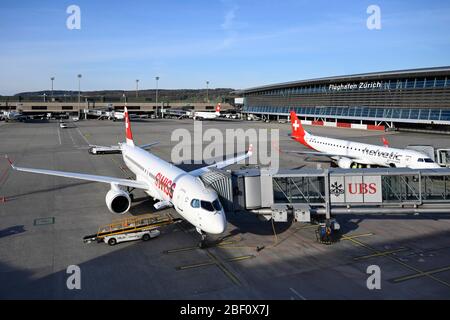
(12, 231)
(56, 188)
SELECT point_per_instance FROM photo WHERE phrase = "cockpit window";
(420, 160)
(195, 203)
(207, 206)
(217, 205)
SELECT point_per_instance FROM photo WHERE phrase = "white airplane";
(207, 115)
(12, 115)
(347, 153)
(114, 115)
(162, 181)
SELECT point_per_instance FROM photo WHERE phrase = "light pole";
(137, 88)
(157, 79)
(207, 91)
(79, 91)
(53, 79)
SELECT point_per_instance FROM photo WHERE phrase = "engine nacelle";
(345, 163)
(118, 201)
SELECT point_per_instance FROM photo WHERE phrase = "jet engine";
(345, 163)
(118, 201)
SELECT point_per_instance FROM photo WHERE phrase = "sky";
(231, 43)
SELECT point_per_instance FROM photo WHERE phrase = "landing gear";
(202, 243)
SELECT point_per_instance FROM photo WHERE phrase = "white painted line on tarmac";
(297, 294)
(71, 137)
(79, 131)
(59, 134)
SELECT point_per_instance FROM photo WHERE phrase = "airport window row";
(413, 84)
(357, 112)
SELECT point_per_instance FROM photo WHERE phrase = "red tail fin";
(297, 128)
(298, 133)
(128, 133)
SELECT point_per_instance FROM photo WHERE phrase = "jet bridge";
(310, 194)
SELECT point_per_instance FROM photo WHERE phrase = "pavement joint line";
(381, 253)
(419, 272)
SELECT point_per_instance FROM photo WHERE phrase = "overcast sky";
(236, 44)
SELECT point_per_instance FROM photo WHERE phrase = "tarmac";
(43, 220)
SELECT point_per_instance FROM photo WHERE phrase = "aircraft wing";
(148, 146)
(87, 177)
(223, 164)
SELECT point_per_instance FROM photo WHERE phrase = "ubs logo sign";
(356, 189)
(362, 188)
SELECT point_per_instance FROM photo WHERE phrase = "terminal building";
(416, 99)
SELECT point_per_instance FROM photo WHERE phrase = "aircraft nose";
(219, 225)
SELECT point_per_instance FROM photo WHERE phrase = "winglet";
(10, 162)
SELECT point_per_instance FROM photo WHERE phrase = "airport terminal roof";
(385, 75)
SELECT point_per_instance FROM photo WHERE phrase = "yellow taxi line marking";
(421, 274)
(359, 243)
(380, 254)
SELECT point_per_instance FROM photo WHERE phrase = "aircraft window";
(207, 206)
(217, 205)
(195, 203)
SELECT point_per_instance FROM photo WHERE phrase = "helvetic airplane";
(208, 115)
(162, 181)
(347, 153)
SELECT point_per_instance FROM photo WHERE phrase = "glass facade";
(421, 96)
(376, 114)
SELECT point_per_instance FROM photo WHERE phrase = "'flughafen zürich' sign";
(356, 86)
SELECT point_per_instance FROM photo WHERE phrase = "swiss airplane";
(162, 181)
(208, 115)
(346, 153)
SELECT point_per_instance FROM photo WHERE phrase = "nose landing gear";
(202, 243)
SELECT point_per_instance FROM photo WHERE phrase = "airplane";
(162, 181)
(114, 115)
(346, 154)
(207, 115)
(13, 116)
